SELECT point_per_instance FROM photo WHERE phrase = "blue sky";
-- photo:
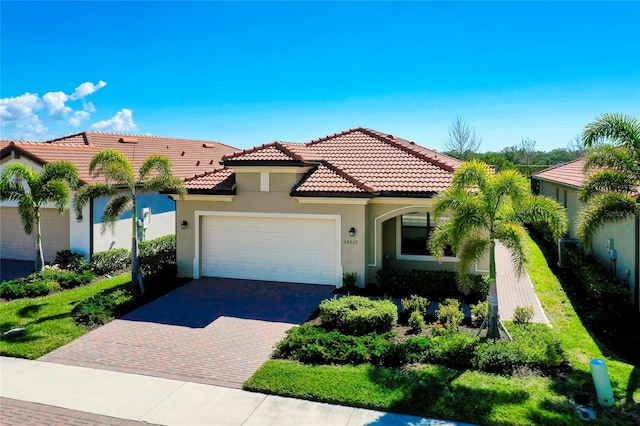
(247, 73)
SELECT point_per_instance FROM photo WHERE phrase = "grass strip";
(47, 319)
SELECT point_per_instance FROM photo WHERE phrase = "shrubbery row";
(535, 346)
(436, 285)
(43, 282)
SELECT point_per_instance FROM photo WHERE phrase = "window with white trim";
(416, 229)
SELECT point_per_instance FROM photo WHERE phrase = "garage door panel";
(275, 249)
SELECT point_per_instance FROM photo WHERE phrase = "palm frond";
(62, 171)
(87, 192)
(471, 174)
(11, 190)
(612, 157)
(604, 209)
(27, 212)
(470, 251)
(538, 209)
(157, 163)
(164, 183)
(440, 238)
(114, 166)
(114, 208)
(621, 129)
(57, 192)
(608, 181)
(18, 171)
(513, 237)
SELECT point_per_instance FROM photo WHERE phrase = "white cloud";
(86, 89)
(20, 108)
(122, 121)
(77, 118)
(88, 106)
(55, 104)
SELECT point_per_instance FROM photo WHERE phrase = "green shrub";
(523, 314)
(479, 311)
(416, 321)
(497, 356)
(416, 303)
(349, 281)
(315, 345)
(455, 350)
(358, 315)
(72, 260)
(16, 289)
(434, 285)
(67, 279)
(110, 261)
(98, 309)
(158, 259)
(450, 315)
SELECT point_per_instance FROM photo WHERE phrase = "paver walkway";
(514, 290)
(212, 331)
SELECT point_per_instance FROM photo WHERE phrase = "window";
(557, 194)
(415, 233)
(416, 228)
(565, 198)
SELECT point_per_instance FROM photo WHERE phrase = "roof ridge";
(248, 151)
(347, 176)
(84, 135)
(324, 138)
(87, 135)
(391, 140)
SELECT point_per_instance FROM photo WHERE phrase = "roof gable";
(571, 173)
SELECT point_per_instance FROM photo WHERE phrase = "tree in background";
(485, 208)
(51, 185)
(576, 146)
(610, 192)
(462, 140)
(122, 185)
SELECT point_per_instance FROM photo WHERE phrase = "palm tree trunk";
(492, 318)
(136, 280)
(39, 264)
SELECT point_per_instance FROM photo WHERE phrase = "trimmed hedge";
(535, 346)
(358, 315)
(110, 261)
(44, 282)
(98, 309)
(434, 285)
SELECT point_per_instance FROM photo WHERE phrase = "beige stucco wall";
(623, 233)
(17, 244)
(571, 203)
(277, 201)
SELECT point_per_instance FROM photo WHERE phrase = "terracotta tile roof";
(188, 157)
(571, 173)
(221, 180)
(358, 160)
(274, 152)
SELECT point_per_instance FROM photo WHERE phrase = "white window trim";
(416, 257)
(264, 181)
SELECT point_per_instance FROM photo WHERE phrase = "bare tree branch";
(462, 139)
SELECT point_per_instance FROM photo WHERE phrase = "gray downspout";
(91, 227)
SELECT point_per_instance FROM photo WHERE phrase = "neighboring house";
(355, 201)
(563, 183)
(84, 233)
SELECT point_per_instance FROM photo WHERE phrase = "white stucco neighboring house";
(563, 183)
(84, 233)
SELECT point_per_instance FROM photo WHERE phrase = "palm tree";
(51, 185)
(123, 187)
(485, 208)
(607, 192)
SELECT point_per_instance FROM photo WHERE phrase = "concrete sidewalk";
(174, 402)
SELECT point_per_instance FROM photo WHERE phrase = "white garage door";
(270, 248)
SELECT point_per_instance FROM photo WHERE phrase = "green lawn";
(47, 319)
(471, 396)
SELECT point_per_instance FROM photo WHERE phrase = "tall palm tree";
(607, 192)
(122, 185)
(485, 208)
(51, 185)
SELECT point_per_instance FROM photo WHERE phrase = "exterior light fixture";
(79, 217)
(352, 232)
(184, 224)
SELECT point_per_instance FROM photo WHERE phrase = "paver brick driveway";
(213, 330)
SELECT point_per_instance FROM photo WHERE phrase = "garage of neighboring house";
(17, 245)
(271, 247)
